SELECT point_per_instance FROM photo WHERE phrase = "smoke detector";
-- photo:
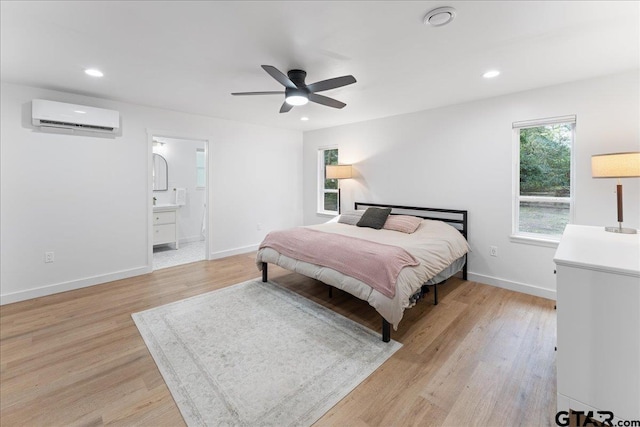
(440, 16)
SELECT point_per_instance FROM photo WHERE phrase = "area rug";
(257, 354)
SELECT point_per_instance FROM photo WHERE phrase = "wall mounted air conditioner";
(70, 116)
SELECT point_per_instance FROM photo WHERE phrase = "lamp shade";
(338, 172)
(616, 165)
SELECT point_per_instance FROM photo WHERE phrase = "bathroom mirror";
(160, 173)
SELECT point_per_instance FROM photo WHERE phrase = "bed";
(434, 252)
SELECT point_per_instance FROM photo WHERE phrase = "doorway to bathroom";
(179, 226)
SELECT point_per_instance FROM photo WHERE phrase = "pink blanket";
(375, 264)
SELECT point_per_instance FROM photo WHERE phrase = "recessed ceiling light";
(79, 111)
(304, 119)
(491, 74)
(93, 72)
(440, 16)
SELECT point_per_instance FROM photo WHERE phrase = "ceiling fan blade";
(329, 102)
(277, 74)
(331, 83)
(286, 108)
(258, 93)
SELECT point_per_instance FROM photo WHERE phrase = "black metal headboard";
(454, 217)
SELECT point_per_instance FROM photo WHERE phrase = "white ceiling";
(189, 56)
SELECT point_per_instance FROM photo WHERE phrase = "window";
(327, 188)
(543, 170)
(201, 174)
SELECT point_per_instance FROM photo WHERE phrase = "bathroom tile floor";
(165, 256)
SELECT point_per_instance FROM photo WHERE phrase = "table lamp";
(617, 165)
(338, 172)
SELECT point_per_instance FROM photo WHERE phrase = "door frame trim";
(151, 133)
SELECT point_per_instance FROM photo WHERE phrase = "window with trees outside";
(327, 188)
(543, 182)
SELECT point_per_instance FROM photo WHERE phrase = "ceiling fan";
(297, 92)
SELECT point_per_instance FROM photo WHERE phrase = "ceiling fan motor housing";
(298, 95)
(296, 92)
(297, 77)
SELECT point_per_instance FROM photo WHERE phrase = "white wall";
(180, 155)
(88, 199)
(460, 157)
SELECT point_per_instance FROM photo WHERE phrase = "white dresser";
(598, 301)
(165, 229)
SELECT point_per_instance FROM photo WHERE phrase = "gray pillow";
(374, 218)
(350, 217)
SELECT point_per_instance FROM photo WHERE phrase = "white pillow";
(351, 217)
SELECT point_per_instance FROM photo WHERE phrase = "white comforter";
(435, 244)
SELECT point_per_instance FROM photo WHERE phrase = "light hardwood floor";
(484, 356)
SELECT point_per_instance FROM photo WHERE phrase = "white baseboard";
(96, 280)
(236, 251)
(513, 286)
(489, 280)
(71, 285)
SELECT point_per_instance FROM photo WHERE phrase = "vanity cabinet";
(165, 229)
(598, 300)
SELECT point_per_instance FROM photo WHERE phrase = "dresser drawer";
(165, 233)
(164, 217)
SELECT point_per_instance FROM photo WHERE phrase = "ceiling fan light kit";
(296, 100)
(297, 92)
(296, 96)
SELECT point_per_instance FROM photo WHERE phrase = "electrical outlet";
(493, 251)
(48, 257)
(258, 226)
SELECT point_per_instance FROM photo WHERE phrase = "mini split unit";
(51, 114)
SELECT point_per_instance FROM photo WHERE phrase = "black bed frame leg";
(435, 294)
(464, 271)
(386, 330)
(264, 272)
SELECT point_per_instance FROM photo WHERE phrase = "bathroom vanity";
(165, 229)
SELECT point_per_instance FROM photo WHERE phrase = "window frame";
(321, 179)
(539, 239)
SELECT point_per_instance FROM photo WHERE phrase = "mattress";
(439, 247)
